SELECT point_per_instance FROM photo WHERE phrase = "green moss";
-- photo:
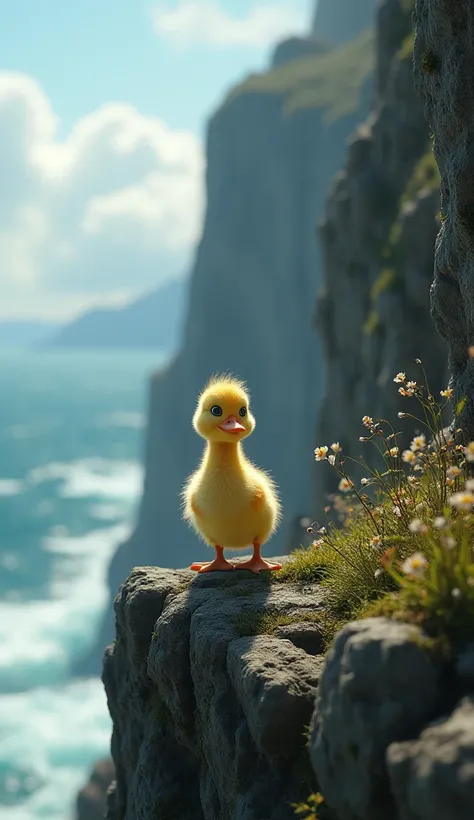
(250, 624)
(406, 49)
(372, 323)
(331, 80)
(386, 281)
(429, 62)
(425, 176)
(301, 569)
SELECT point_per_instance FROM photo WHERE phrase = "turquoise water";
(71, 427)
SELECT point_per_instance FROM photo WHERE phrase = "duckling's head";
(222, 413)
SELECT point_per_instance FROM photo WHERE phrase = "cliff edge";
(212, 683)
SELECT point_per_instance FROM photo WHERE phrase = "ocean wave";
(10, 486)
(92, 477)
(50, 739)
(39, 640)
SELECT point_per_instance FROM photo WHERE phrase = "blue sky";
(79, 80)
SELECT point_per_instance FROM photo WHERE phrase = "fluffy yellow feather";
(228, 500)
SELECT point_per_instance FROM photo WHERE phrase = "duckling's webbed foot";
(256, 563)
(220, 564)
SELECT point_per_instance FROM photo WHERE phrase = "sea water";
(71, 440)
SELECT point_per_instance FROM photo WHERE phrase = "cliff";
(152, 321)
(338, 21)
(272, 150)
(444, 74)
(212, 683)
(378, 237)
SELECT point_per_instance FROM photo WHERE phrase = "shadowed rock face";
(392, 734)
(444, 78)
(378, 238)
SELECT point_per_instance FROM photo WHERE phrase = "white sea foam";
(54, 735)
(132, 420)
(40, 639)
(93, 477)
(10, 486)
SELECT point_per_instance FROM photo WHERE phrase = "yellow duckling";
(228, 501)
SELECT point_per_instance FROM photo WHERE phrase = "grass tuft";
(253, 623)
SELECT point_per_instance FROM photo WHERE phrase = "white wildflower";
(417, 526)
(462, 501)
(320, 453)
(415, 565)
(418, 443)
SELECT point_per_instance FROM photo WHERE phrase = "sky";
(103, 106)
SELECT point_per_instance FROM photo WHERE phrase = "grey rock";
(275, 685)
(194, 692)
(92, 799)
(306, 635)
(444, 78)
(379, 685)
(373, 313)
(433, 776)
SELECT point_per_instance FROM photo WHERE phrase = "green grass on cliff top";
(331, 81)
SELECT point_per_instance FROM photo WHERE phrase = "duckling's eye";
(216, 410)
(243, 411)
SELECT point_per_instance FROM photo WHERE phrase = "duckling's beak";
(231, 425)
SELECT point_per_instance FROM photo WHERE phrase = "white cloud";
(110, 210)
(205, 22)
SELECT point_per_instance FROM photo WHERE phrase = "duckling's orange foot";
(218, 565)
(257, 564)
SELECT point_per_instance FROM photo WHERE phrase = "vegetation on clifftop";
(402, 543)
(331, 81)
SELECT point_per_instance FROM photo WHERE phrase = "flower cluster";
(411, 522)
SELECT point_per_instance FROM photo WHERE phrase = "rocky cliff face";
(91, 801)
(338, 21)
(272, 148)
(209, 716)
(212, 683)
(444, 73)
(378, 237)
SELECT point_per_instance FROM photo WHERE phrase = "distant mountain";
(153, 320)
(24, 333)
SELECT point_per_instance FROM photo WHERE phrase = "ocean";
(71, 439)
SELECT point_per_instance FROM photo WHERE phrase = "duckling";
(227, 500)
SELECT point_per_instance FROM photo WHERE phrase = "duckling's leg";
(218, 564)
(256, 563)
